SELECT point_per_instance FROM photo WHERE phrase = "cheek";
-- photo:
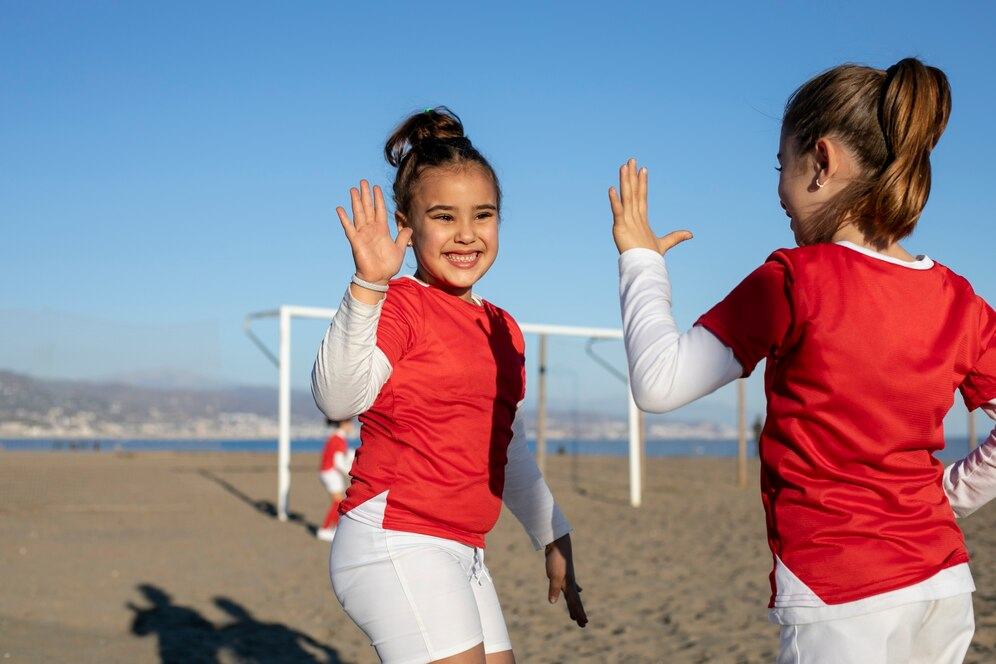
(424, 237)
(490, 236)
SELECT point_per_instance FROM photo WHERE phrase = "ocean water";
(956, 447)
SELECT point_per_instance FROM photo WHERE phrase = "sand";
(177, 557)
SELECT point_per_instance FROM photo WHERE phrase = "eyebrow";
(447, 208)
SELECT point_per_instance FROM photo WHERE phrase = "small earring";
(820, 185)
(410, 243)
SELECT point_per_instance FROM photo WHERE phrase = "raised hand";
(560, 571)
(377, 256)
(630, 227)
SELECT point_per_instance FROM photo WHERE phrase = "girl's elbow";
(651, 402)
(332, 408)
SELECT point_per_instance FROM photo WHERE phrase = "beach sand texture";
(177, 557)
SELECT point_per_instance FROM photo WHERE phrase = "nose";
(466, 232)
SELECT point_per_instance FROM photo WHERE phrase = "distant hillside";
(36, 406)
(21, 396)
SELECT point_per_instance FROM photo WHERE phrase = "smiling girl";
(437, 376)
(865, 345)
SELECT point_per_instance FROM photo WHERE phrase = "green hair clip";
(427, 110)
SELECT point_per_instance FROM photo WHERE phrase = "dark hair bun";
(438, 124)
(432, 138)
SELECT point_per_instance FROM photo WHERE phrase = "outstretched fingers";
(617, 206)
(630, 228)
(366, 200)
(376, 254)
(560, 572)
(630, 224)
(575, 607)
(641, 193)
(347, 223)
(572, 594)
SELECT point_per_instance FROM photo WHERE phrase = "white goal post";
(286, 313)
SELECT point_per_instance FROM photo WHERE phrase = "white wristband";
(380, 288)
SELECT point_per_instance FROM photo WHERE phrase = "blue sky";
(167, 168)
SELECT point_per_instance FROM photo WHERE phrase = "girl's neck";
(850, 233)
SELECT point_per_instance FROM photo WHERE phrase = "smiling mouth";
(463, 260)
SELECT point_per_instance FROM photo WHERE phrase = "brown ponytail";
(431, 138)
(890, 121)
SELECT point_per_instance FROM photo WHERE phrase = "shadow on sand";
(184, 635)
(265, 507)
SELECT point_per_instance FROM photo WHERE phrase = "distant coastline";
(660, 447)
(654, 448)
(33, 408)
(247, 426)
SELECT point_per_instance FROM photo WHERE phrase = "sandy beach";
(177, 557)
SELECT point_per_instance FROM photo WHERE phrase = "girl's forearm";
(667, 369)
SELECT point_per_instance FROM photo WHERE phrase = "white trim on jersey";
(796, 604)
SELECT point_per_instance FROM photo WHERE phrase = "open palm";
(377, 255)
(630, 227)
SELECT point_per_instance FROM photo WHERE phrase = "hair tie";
(427, 110)
(380, 288)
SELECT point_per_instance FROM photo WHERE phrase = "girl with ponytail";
(865, 345)
(437, 377)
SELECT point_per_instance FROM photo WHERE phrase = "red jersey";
(335, 443)
(436, 437)
(863, 359)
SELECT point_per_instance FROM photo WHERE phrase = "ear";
(400, 220)
(829, 155)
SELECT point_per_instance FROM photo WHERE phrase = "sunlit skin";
(804, 186)
(377, 255)
(454, 222)
(630, 226)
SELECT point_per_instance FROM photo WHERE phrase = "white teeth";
(462, 258)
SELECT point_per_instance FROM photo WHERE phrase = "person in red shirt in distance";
(864, 345)
(334, 473)
(437, 377)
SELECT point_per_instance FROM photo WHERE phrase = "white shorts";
(930, 632)
(333, 481)
(417, 598)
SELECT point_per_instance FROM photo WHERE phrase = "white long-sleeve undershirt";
(348, 375)
(970, 482)
(526, 493)
(350, 370)
(667, 369)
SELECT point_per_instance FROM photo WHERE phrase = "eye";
(484, 216)
(443, 217)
